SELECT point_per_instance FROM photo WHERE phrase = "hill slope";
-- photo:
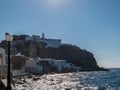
(68, 52)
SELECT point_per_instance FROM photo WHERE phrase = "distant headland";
(35, 46)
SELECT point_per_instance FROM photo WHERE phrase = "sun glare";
(56, 3)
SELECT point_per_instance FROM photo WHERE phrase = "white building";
(19, 54)
(33, 67)
(2, 61)
(30, 38)
(55, 43)
(36, 65)
(2, 56)
(60, 64)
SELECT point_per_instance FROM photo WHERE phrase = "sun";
(56, 2)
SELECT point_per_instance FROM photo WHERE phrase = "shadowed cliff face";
(70, 53)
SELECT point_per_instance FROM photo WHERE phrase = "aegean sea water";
(94, 80)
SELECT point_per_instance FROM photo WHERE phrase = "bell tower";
(43, 36)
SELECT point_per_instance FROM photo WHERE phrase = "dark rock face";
(71, 53)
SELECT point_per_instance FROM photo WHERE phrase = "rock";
(30, 76)
(20, 82)
(24, 85)
(35, 79)
(51, 79)
(68, 89)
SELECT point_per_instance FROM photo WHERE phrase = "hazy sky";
(93, 25)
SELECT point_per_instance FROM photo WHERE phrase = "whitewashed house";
(63, 64)
(38, 65)
(19, 54)
(33, 67)
(30, 38)
(2, 62)
(54, 43)
(60, 64)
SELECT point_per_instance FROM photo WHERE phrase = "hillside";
(68, 52)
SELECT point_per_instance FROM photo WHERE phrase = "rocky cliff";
(68, 52)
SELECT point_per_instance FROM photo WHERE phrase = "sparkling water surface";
(95, 80)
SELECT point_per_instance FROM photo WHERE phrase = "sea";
(92, 80)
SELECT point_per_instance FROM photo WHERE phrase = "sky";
(93, 25)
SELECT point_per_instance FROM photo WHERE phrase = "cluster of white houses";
(54, 43)
(33, 65)
(38, 65)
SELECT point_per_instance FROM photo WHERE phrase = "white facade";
(60, 64)
(2, 56)
(32, 67)
(36, 38)
(2, 62)
(30, 38)
(54, 43)
(19, 54)
(33, 38)
(35, 65)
